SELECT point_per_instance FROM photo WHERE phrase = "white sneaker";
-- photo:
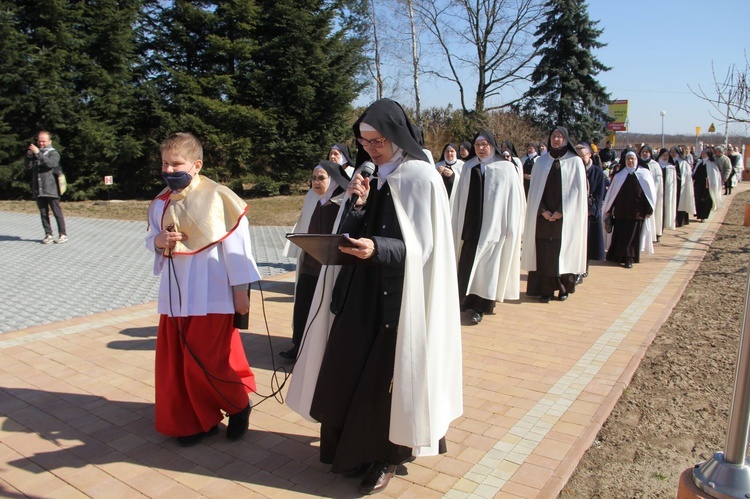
(62, 239)
(47, 239)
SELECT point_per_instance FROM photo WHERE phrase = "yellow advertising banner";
(697, 131)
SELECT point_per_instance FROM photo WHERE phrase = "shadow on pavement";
(3, 237)
(92, 430)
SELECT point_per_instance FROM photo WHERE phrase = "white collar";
(387, 168)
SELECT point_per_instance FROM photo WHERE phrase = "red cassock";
(194, 381)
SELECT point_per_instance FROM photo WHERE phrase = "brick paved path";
(76, 396)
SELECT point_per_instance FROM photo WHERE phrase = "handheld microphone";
(367, 169)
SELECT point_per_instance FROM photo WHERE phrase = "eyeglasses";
(319, 178)
(481, 144)
(376, 143)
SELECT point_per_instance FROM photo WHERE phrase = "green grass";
(278, 210)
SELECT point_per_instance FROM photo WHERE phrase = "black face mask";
(177, 180)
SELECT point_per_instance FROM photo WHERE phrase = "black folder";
(325, 248)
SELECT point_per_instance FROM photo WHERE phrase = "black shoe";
(562, 296)
(377, 478)
(544, 299)
(238, 423)
(585, 274)
(191, 440)
(477, 317)
(290, 354)
(628, 265)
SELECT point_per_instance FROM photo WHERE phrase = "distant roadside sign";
(619, 110)
(109, 180)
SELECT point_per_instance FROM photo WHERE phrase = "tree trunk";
(415, 59)
(378, 75)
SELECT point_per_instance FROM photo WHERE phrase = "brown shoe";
(377, 478)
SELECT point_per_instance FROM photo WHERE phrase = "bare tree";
(490, 40)
(374, 64)
(730, 97)
(399, 34)
(414, 57)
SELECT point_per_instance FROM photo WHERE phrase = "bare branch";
(499, 33)
(730, 96)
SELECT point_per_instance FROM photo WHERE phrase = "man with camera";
(44, 162)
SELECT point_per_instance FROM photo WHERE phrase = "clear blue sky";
(655, 49)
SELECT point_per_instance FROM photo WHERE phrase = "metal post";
(662, 113)
(727, 474)
(627, 132)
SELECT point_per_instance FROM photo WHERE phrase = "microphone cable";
(181, 332)
(277, 382)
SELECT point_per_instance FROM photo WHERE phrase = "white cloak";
(670, 196)
(427, 386)
(657, 219)
(457, 167)
(519, 169)
(496, 274)
(303, 223)
(737, 171)
(575, 213)
(646, 181)
(687, 194)
(714, 184)
(291, 250)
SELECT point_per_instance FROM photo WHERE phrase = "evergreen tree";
(13, 64)
(72, 74)
(104, 139)
(203, 52)
(306, 75)
(564, 88)
(266, 85)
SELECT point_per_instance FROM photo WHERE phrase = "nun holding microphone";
(381, 366)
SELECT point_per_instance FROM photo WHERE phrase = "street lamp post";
(662, 114)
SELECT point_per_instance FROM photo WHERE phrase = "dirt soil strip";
(675, 412)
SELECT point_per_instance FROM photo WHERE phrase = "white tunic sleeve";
(154, 222)
(201, 284)
(238, 256)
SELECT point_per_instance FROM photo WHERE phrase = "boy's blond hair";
(186, 144)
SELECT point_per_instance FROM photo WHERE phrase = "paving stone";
(104, 266)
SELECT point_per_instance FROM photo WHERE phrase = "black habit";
(353, 393)
(595, 178)
(629, 209)
(470, 236)
(546, 279)
(703, 203)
